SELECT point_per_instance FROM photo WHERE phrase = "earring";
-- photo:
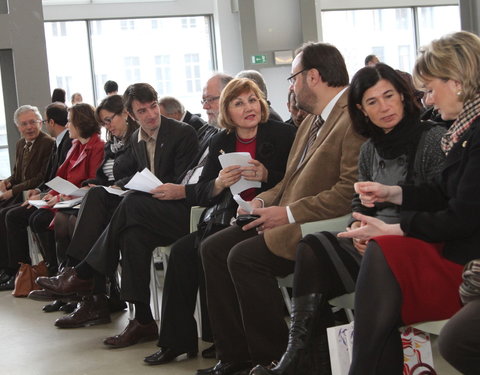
(459, 92)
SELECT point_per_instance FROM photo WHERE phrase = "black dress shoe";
(4, 276)
(226, 368)
(54, 306)
(9, 284)
(166, 355)
(69, 307)
(210, 352)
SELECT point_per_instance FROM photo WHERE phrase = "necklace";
(245, 142)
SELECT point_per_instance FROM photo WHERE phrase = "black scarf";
(401, 140)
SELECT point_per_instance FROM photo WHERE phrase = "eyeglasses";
(31, 122)
(293, 78)
(209, 100)
(107, 121)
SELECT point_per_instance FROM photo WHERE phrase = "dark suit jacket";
(56, 159)
(193, 120)
(449, 211)
(274, 140)
(87, 162)
(176, 147)
(28, 174)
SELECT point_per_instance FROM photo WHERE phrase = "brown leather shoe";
(42, 295)
(92, 310)
(66, 283)
(134, 333)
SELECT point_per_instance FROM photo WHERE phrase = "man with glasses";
(19, 218)
(33, 151)
(241, 264)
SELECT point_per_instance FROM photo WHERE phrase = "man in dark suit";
(245, 305)
(19, 218)
(33, 151)
(173, 108)
(140, 223)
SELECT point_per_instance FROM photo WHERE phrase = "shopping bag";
(25, 278)
(417, 350)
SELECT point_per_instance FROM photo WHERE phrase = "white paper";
(340, 345)
(114, 191)
(241, 159)
(65, 187)
(38, 203)
(244, 205)
(69, 203)
(144, 181)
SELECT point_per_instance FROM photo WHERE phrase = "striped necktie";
(312, 136)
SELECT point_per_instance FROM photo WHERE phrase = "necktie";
(28, 146)
(312, 136)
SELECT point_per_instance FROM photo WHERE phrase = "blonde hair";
(233, 89)
(454, 56)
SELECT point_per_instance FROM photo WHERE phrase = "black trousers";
(245, 304)
(17, 220)
(139, 224)
(178, 329)
(93, 217)
(5, 206)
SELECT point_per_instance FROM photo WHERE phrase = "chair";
(330, 225)
(162, 254)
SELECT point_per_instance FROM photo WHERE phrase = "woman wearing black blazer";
(244, 115)
(411, 271)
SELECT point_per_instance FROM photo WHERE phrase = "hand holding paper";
(243, 204)
(144, 181)
(242, 159)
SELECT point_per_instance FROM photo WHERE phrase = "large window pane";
(143, 50)
(388, 33)
(4, 157)
(433, 22)
(68, 58)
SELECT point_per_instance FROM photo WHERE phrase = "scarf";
(470, 111)
(402, 139)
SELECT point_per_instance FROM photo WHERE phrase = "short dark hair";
(59, 95)
(368, 77)
(82, 116)
(143, 92)
(58, 112)
(328, 60)
(110, 86)
(370, 58)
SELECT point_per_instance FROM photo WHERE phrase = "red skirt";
(428, 281)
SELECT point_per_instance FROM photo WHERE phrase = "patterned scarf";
(470, 288)
(470, 111)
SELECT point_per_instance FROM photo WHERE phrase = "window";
(59, 29)
(4, 156)
(142, 52)
(163, 75)
(387, 33)
(68, 59)
(192, 72)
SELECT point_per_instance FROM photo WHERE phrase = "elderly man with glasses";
(32, 155)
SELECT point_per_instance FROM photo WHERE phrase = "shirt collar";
(328, 108)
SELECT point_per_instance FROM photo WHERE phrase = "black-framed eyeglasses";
(209, 100)
(293, 78)
(107, 121)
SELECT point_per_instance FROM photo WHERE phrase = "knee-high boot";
(305, 313)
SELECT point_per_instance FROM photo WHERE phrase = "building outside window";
(388, 33)
(142, 52)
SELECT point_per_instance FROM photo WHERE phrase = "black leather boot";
(305, 313)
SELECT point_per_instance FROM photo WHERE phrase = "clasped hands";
(270, 217)
(367, 227)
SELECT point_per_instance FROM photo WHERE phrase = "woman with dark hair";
(75, 236)
(400, 149)
(412, 269)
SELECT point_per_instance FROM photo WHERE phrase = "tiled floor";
(31, 345)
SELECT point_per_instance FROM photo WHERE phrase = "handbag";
(417, 350)
(26, 276)
(470, 287)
